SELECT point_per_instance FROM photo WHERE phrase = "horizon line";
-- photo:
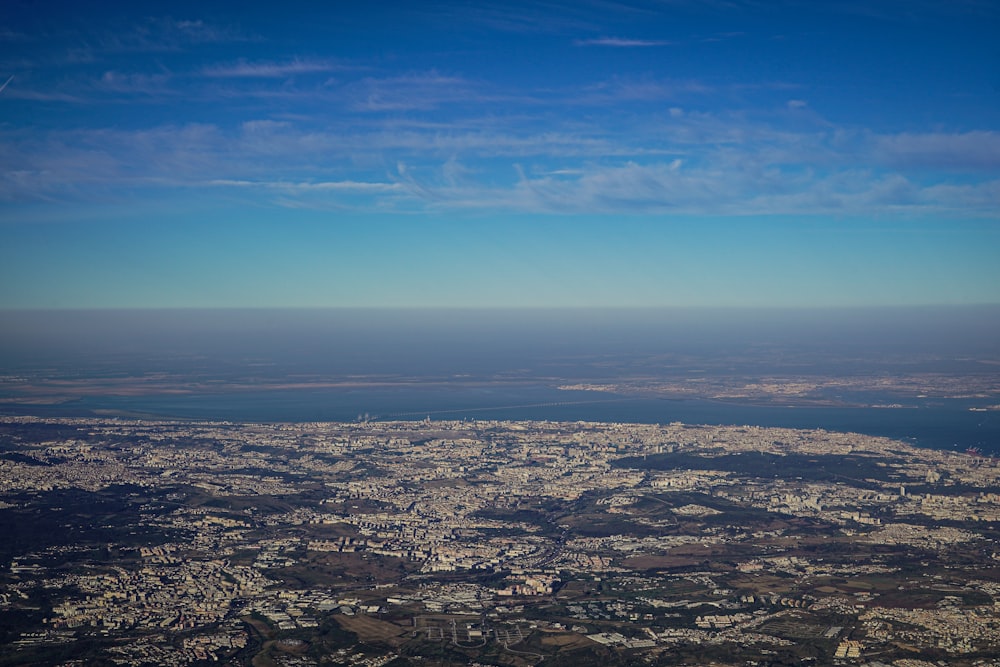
(732, 307)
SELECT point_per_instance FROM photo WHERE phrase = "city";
(503, 333)
(506, 543)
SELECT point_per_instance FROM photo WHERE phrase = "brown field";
(333, 569)
(262, 659)
(763, 583)
(261, 627)
(568, 640)
(659, 562)
(372, 629)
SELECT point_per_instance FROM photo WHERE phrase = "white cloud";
(616, 91)
(8, 35)
(665, 189)
(305, 186)
(158, 34)
(132, 83)
(521, 17)
(621, 42)
(690, 163)
(43, 96)
(419, 91)
(966, 151)
(271, 69)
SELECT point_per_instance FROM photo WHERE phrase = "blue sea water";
(944, 425)
(504, 365)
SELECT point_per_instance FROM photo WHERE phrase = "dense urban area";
(131, 542)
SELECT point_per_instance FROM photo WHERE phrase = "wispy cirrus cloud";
(683, 162)
(134, 83)
(669, 188)
(310, 186)
(966, 151)
(244, 69)
(620, 89)
(162, 34)
(417, 91)
(64, 58)
(8, 35)
(622, 42)
(910, 10)
(166, 33)
(21, 93)
(512, 16)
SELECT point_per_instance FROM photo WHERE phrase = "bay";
(941, 425)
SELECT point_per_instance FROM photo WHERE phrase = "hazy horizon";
(394, 334)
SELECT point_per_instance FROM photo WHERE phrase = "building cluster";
(293, 523)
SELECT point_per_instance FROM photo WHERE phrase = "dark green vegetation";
(85, 522)
(857, 470)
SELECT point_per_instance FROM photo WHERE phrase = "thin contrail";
(6, 82)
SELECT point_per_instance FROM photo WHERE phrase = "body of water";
(943, 425)
(504, 364)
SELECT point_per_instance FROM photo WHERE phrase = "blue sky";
(588, 153)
